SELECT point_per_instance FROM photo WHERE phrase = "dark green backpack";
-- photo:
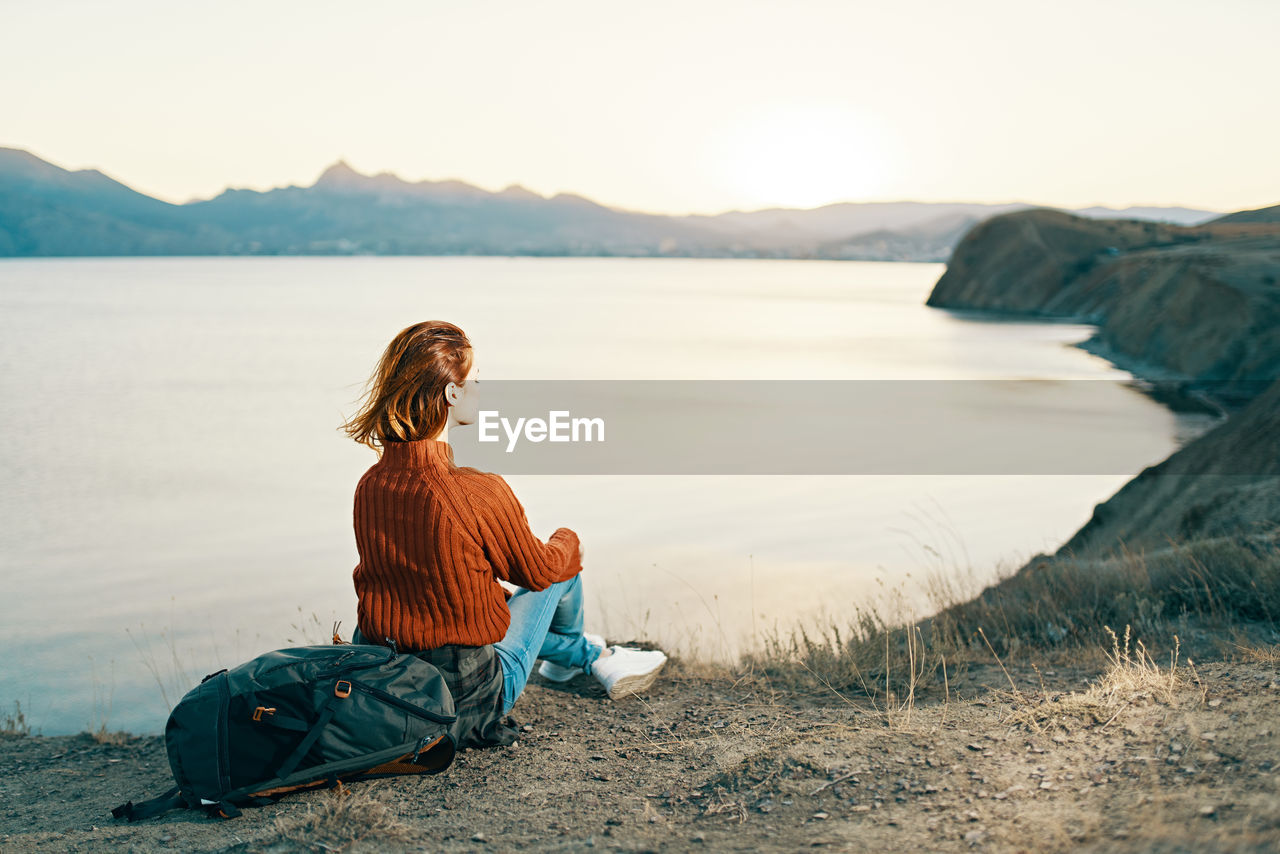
(302, 718)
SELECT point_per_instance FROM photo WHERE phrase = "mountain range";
(46, 210)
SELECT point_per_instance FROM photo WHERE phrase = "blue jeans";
(545, 624)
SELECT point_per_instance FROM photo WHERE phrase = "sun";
(802, 155)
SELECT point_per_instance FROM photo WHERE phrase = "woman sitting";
(434, 539)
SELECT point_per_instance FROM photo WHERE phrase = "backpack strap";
(326, 714)
(170, 800)
(221, 809)
(173, 799)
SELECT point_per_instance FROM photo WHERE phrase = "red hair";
(404, 398)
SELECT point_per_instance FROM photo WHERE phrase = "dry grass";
(341, 819)
(171, 675)
(1259, 654)
(1133, 679)
(14, 724)
(103, 700)
(1053, 609)
(102, 735)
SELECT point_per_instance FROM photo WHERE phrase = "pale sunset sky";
(696, 106)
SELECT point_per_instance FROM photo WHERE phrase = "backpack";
(302, 718)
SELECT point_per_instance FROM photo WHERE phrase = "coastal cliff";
(1224, 483)
(1196, 307)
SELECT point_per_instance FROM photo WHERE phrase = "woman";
(435, 538)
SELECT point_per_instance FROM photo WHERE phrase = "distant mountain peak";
(339, 174)
(575, 199)
(342, 176)
(519, 191)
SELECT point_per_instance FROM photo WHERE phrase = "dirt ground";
(704, 763)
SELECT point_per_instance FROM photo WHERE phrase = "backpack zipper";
(402, 704)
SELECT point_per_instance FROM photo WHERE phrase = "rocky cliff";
(1224, 483)
(1197, 306)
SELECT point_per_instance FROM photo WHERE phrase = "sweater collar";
(423, 453)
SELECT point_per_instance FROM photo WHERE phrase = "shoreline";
(1178, 392)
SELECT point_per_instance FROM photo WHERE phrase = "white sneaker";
(628, 670)
(559, 673)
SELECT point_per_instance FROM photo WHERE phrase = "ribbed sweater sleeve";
(515, 553)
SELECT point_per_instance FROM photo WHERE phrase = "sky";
(696, 106)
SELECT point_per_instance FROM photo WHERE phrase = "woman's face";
(464, 400)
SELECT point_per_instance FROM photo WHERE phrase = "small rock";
(977, 747)
(479, 837)
(862, 808)
(1046, 785)
(1208, 810)
(527, 728)
(1215, 702)
(975, 837)
(821, 816)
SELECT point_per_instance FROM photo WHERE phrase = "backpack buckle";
(263, 710)
(342, 689)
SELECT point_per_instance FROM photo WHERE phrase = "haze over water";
(178, 498)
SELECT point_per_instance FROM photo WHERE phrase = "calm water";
(177, 496)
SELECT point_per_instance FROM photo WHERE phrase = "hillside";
(1268, 214)
(1196, 307)
(1226, 482)
(1199, 304)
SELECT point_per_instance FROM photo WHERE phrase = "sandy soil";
(706, 763)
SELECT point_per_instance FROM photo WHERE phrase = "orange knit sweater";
(433, 539)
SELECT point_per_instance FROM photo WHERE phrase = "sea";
(177, 493)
